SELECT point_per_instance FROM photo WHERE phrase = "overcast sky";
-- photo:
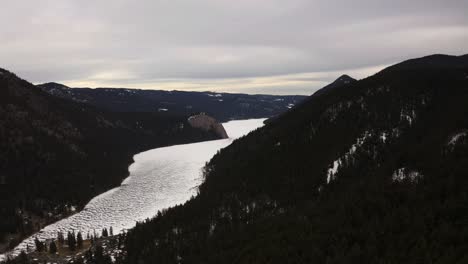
(252, 46)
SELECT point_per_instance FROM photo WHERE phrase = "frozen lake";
(159, 178)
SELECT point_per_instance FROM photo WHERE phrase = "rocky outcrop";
(207, 123)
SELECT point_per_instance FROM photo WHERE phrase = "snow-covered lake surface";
(159, 178)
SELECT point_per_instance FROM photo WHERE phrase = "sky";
(249, 46)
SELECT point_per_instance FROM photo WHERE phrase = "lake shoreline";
(121, 208)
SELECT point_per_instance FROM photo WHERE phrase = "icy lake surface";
(159, 178)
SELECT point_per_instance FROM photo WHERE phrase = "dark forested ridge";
(342, 80)
(372, 171)
(56, 154)
(222, 106)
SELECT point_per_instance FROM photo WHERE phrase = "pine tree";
(23, 257)
(52, 248)
(71, 241)
(39, 245)
(60, 238)
(111, 231)
(79, 240)
(119, 240)
(104, 232)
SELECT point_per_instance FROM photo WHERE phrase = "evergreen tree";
(79, 240)
(60, 238)
(111, 231)
(71, 241)
(23, 257)
(39, 245)
(104, 232)
(52, 248)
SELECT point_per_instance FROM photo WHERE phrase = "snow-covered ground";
(159, 178)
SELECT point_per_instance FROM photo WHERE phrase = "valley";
(234, 132)
(58, 153)
(362, 171)
(159, 179)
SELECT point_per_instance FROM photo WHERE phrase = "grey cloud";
(123, 42)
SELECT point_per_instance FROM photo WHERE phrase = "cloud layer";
(253, 46)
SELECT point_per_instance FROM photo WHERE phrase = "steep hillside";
(56, 154)
(222, 106)
(372, 171)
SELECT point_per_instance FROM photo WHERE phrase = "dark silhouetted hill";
(221, 106)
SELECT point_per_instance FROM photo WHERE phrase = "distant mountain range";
(368, 171)
(222, 106)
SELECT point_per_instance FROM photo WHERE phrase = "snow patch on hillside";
(408, 116)
(456, 138)
(331, 173)
(384, 136)
(404, 174)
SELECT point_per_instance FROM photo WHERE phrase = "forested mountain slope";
(222, 106)
(342, 80)
(56, 154)
(373, 171)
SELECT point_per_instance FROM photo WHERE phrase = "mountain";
(371, 171)
(56, 154)
(222, 106)
(342, 80)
